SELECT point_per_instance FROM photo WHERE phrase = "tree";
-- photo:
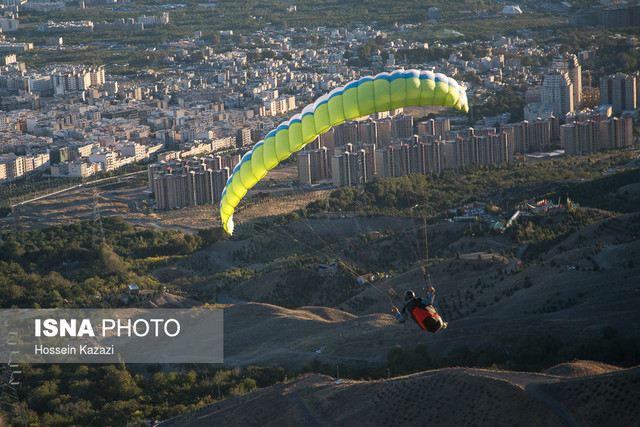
(5, 210)
(118, 384)
(239, 39)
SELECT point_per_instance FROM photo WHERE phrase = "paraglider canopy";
(368, 95)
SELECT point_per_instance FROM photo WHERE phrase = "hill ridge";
(457, 396)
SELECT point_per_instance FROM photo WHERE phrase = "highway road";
(75, 187)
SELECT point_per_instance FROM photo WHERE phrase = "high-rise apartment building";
(580, 137)
(619, 90)
(384, 132)
(616, 132)
(349, 169)
(418, 157)
(519, 133)
(346, 133)
(436, 127)
(557, 92)
(243, 137)
(590, 136)
(368, 131)
(370, 159)
(188, 182)
(313, 166)
(540, 135)
(569, 64)
(401, 127)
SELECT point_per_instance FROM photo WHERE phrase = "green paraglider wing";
(384, 92)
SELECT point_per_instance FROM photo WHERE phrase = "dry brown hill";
(257, 335)
(580, 368)
(571, 294)
(573, 305)
(168, 300)
(572, 291)
(261, 334)
(453, 396)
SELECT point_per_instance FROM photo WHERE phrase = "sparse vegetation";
(541, 235)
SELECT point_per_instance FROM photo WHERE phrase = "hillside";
(452, 396)
(492, 301)
(551, 288)
(263, 334)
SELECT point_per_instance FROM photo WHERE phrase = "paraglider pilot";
(421, 310)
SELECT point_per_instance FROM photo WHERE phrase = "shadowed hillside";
(453, 396)
(580, 282)
(490, 300)
(548, 289)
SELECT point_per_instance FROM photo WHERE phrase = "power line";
(18, 230)
(97, 221)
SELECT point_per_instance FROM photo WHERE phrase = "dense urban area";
(77, 120)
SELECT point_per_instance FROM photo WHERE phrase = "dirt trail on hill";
(602, 257)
